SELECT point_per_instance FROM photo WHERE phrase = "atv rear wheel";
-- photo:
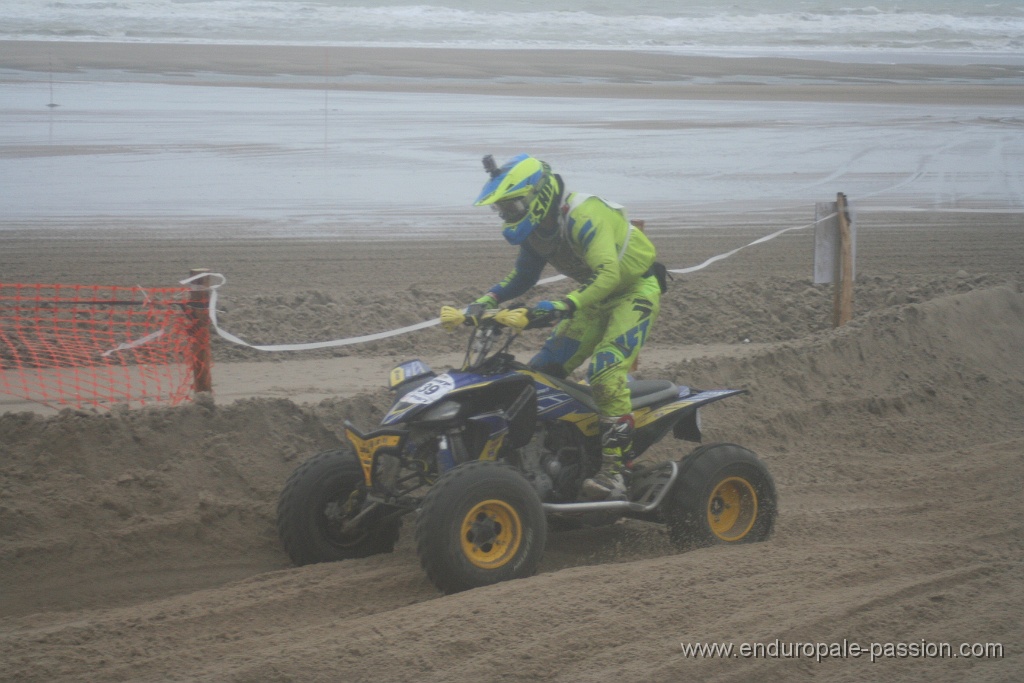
(481, 523)
(724, 495)
(322, 495)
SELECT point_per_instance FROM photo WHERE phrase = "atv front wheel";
(481, 523)
(724, 495)
(320, 498)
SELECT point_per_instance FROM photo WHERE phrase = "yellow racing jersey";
(595, 245)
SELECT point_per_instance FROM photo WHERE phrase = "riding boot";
(616, 450)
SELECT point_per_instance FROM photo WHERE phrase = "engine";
(554, 462)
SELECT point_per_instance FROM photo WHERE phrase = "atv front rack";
(649, 502)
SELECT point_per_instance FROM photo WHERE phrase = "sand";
(140, 545)
(589, 73)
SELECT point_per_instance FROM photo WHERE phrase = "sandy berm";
(140, 545)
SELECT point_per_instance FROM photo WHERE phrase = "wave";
(997, 27)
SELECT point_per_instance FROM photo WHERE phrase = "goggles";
(512, 210)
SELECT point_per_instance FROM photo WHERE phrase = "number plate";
(431, 391)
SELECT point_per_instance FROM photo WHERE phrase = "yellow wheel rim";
(491, 534)
(732, 509)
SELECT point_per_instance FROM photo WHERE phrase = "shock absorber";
(451, 450)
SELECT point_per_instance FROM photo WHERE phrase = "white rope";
(761, 240)
(295, 347)
(713, 259)
(132, 344)
(418, 326)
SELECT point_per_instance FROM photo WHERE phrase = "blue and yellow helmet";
(522, 191)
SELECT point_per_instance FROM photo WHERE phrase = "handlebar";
(516, 318)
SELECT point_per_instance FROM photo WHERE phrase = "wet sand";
(590, 73)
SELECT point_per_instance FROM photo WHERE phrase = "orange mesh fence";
(87, 346)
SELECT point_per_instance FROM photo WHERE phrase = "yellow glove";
(517, 318)
(451, 318)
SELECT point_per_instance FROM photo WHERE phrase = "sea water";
(306, 161)
(348, 162)
(865, 26)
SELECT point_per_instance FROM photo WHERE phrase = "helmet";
(522, 191)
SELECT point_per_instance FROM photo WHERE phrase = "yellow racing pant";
(610, 334)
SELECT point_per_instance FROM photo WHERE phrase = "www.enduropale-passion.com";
(844, 650)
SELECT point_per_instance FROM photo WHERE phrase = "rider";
(607, 317)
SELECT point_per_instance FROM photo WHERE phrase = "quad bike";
(489, 455)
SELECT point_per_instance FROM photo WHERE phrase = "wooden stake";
(843, 304)
(202, 358)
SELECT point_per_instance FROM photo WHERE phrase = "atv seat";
(647, 391)
(643, 392)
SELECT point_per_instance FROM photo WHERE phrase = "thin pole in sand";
(52, 104)
(327, 71)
